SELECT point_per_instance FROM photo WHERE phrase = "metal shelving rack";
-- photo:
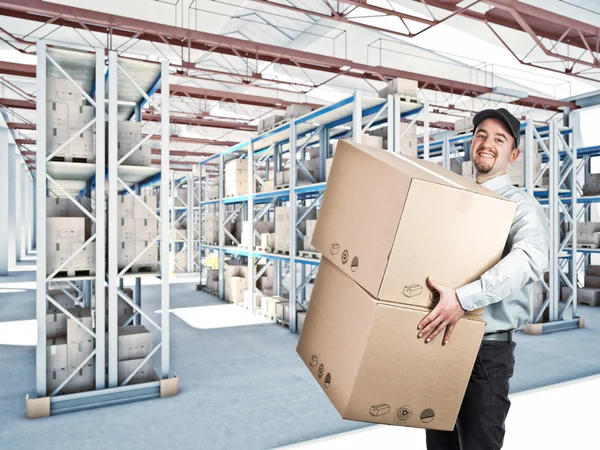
(183, 240)
(77, 179)
(349, 118)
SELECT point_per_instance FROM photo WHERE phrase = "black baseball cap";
(513, 124)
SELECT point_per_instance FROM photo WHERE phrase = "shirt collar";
(496, 184)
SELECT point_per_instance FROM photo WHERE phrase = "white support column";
(190, 223)
(40, 355)
(28, 202)
(34, 214)
(18, 206)
(100, 222)
(24, 212)
(356, 124)
(164, 219)
(357, 132)
(12, 208)
(251, 184)
(426, 131)
(112, 219)
(4, 202)
(529, 156)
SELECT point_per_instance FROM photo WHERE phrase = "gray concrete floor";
(241, 387)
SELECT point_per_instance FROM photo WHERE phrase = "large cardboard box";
(61, 90)
(388, 221)
(366, 356)
(131, 208)
(79, 342)
(134, 342)
(66, 229)
(84, 379)
(143, 375)
(56, 363)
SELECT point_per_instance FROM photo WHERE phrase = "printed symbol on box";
(412, 290)
(345, 257)
(427, 415)
(321, 370)
(354, 264)
(404, 413)
(335, 249)
(434, 296)
(327, 380)
(379, 409)
(314, 360)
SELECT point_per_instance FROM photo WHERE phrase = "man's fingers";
(438, 329)
(429, 328)
(428, 319)
(433, 283)
(449, 330)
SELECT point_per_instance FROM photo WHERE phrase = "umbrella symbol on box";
(345, 257)
(321, 370)
(335, 249)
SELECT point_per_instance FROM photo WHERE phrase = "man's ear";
(515, 154)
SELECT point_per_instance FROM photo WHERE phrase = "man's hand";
(444, 316)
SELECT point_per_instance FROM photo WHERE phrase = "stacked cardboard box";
(297, 110)
(377, 234)
(234, 289)
(134, 345)
(181, 197)
(464, 125)
(517, 169)
(137, 229)
(282, 227)
(402, 86)
(66, 115)
(266, 281)
(408, 141)
(210, 228)
(181, 263)
(65, 236)
(80, 344)
(56, 363)
(592, 184)
(538, 295)
(260, 228)
(590, 293)
(269, 122)
(236, 178)
(129, 135)
(588, 234)
(269, 306)
(310, 231)
(212, 280)
(213, 191)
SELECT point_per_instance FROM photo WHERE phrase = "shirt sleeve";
(526, 262)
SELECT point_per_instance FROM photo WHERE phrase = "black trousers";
(480, 423)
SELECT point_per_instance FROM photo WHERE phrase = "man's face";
(492, 148)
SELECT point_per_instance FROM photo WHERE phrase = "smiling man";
(504, 291)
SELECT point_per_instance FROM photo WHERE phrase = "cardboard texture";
(130, 208)
(79, 342)
(143, 375)
(56, 323)
(385, 221)
(65, 229)
(366, 356)
(134, 342)
(84, 379)
(61, 90)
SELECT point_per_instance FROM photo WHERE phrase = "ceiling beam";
(94, 21)
(199, 122)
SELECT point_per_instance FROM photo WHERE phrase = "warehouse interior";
(203, 253)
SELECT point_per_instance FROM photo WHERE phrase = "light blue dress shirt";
(505, 289)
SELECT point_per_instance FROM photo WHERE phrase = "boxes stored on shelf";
(592, 269)
(592, 281)
(588, 227)
(282, 311)
(137, 229)
(142, 156)
(379, 223)
(143, 375)
(282, 178)
(131, 249)
(297, 110)
(372, 141)
(588, 239)
(402, 86)
(56, 363)
(128, 131)
(134, 342)
(61, 90)
(181, 265)
(468, 171)
(64, 207)
(78, 116)
(131, 208)
(56, 323)
(300, 317)
(517, 169)
(79, 342)
(463, 125)
(269, 306)
(269, 122)
(82, 146)
(250, 303)
(66, 229)
(234, 289)
(310, 231)
(83, 380)
(345, 345)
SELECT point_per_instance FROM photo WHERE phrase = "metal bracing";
(5, 192)
(106, 381)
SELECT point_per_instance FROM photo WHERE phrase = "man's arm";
(526, 262)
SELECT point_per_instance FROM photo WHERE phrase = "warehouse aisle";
(242, 385)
